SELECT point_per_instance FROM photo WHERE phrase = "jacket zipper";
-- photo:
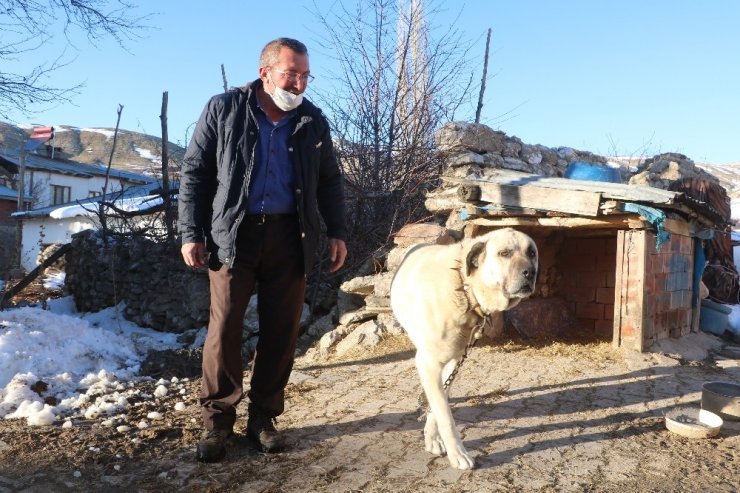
(244, 188)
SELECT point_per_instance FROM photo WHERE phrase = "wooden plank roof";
(576, 197)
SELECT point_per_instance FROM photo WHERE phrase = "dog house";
(625, 259)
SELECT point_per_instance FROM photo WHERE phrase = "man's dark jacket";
(217, 168)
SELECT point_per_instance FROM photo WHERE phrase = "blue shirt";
(273, 178)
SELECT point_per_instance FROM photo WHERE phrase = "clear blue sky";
(633, 77)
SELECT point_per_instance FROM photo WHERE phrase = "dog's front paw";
(459, 457)
(432, 440)
(433, 444)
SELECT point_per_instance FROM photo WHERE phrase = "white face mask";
(285, 100)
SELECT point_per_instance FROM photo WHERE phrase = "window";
(93, 193)
(60, 194)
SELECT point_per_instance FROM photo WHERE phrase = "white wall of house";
(42, 231)
(39, 183)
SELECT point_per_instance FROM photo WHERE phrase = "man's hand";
(194, 254)
(337, 254)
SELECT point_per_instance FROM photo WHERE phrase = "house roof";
(11, 162)
(140, 198)
(9, 193)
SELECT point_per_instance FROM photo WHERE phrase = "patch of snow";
(55, 280)
(132, 204)
(56, 364)
(147, 154)
(108, 133)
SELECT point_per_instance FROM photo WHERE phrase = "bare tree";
(27, 25)
(399, 79)
(101, 210)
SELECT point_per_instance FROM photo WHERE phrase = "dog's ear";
(475, 257)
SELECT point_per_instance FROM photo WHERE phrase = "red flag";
(39, 135)
(44, 133)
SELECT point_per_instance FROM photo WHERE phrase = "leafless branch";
(27, 25)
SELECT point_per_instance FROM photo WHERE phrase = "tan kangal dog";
(441, 295)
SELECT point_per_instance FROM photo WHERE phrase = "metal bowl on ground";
(722, 398)
(692, 422)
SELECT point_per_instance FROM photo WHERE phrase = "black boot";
(261, 430)
(212, 445)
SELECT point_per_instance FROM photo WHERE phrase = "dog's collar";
(474, 305)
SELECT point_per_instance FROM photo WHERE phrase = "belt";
(267, 218)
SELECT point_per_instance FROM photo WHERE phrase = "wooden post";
(166, 196)
(21, 205)
(483, 79)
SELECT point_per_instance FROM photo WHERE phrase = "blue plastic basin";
(581, 170)
(714, 317)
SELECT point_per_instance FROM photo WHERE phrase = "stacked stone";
(475, 151)
(158, 289)
(663, 169)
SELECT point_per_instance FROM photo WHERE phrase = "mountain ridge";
(134, 151)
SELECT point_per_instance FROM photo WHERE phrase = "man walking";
(258, 171)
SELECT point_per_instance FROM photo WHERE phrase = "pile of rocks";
(662, 170)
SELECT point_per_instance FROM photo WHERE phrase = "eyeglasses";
(292, 77)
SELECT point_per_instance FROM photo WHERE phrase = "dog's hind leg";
(440, 434)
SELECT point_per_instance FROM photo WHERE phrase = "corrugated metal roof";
(139, 191)
(64, 166)
(9, 193)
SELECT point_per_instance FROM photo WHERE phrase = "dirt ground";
(537, 416)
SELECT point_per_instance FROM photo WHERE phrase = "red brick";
(611, 279)
(687, 245)
(606, 263)
(604, 327)
(675, 243)
(660, 321)
(593, 279)
(568, 281)
(580, 294)
(663, 302)
(654, 264)
(610, 246)
(608, 312)
(672, 319)
(593, 311)
(650, 245)
(586, 324)
(605, 295)
(590, 245)
(658, 282)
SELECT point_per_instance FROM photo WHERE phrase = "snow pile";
(57, 365)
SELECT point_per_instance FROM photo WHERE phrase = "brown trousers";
(269, 256)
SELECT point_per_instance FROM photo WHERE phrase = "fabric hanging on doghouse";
(654, 216)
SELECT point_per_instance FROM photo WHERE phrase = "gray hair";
(271, 51)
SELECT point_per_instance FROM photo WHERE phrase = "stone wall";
(159, 290)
